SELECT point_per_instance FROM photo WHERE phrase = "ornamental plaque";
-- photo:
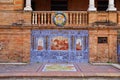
(59, 19)
(6, 1)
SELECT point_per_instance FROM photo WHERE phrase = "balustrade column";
(28, 6)
(111, 6)
(91, 5)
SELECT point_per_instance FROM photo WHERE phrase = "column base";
(28, 8)
(92, 9)
(112, 9)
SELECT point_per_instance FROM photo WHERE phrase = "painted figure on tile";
(40, 44)
(59, 43)
(79, 44)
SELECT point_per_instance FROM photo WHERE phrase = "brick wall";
(18, 4)
(102, 16)
(92, 17)
(119, 18)
(112, 17)
(10, 17)
(15, 5)
(104, 52)
(14, 45)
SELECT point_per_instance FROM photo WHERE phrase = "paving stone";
(97, 78)
(103, 79)
(35, 70)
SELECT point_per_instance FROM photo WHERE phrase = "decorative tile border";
(59, 67)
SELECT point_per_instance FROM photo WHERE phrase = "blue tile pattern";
(56, 56)
(118, 49)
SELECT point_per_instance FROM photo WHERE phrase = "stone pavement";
(84, 70)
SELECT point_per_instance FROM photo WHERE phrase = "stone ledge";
(116, 66)
(60, 74)
(35, 70)
(108, 64)
(55, 27)
(12, 63)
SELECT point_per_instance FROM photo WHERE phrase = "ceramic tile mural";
(59, 67)
(59, 43)
(118, 47)
(56, 46)
(79, 44)
(40, 44)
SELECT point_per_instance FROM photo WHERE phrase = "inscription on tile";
(6, 1)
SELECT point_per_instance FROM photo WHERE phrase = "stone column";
(111, 6)
(28, 6)
(91, 5)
